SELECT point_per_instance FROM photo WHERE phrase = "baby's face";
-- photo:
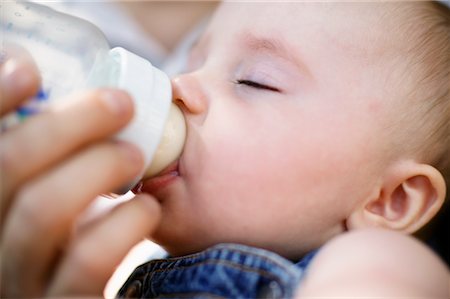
(285, 110)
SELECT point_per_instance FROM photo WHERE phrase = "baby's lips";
(153, 184)
(172, 168)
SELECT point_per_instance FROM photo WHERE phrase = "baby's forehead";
(348, 23)
(364, 29)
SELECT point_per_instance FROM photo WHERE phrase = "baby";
(308, 124)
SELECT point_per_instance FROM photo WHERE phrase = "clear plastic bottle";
(73, 54)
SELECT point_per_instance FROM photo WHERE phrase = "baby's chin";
(181, 240)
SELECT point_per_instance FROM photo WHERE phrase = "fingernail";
(117, 101)
(17, 75)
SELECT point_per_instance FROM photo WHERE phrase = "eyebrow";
(272, 45)
(264, 44)
(275, 46)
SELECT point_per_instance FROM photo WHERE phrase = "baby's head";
(305, 120)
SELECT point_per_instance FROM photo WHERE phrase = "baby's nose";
(188, 92)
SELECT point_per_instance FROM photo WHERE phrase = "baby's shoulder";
(377, 262)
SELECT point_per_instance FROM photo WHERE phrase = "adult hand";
(52, 167)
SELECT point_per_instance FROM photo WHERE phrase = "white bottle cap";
(151, 91)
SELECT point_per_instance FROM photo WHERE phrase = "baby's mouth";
(154, 184)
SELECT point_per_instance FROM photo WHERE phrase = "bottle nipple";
(171, 144)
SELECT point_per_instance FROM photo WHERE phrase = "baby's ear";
(409, 197)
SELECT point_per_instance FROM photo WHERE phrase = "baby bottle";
(72, 54)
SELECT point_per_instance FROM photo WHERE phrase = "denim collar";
(222, 271)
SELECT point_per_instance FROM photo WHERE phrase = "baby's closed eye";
(256, 85)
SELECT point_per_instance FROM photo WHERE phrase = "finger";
(49, 137)
(19, 79)
(92, 260)
(48, 206)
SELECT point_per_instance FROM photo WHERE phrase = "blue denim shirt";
(222, 271)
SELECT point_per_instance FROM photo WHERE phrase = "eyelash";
(256, 85)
